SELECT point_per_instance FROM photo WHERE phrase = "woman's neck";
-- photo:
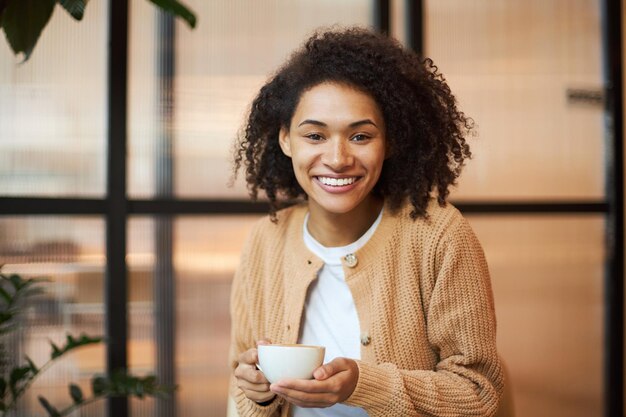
(332, 230)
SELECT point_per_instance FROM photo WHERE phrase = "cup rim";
(291, 345)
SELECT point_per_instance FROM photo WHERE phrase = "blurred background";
(529, 72)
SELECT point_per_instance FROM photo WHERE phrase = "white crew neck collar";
(333, 255)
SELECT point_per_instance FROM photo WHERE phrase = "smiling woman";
(373, 264)
(337, 152)
(425, 132)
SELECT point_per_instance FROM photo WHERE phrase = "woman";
(372, 263)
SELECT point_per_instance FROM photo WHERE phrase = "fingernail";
(274, 388)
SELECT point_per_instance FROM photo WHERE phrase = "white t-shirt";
(330, 317)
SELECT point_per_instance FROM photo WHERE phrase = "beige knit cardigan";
(425, 306)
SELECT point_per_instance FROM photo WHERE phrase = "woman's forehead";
(336, 103)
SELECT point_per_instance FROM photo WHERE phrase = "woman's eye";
(314, 136)
(360, 137)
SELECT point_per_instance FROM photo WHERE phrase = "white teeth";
(336, 182)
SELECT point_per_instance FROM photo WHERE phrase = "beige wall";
(511, 63)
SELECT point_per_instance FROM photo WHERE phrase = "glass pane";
(52, 110)
(69, 251)
(515, 66)
(205, 252)
(547, 275)
(219, 67)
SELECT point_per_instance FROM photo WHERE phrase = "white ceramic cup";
(289, 361)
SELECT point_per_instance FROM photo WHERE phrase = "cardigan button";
(365, 339)
(351, 260)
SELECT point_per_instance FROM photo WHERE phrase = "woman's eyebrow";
(313, 122)
(353, 124)
(363, 122)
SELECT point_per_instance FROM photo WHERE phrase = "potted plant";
(15, 293)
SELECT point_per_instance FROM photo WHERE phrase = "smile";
(337, 182)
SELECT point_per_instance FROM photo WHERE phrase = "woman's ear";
(283, 141)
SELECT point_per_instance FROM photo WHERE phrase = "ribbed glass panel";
(69, 252)
(205, 252)
(547, 274)
(141, 347)
(52, 110)
(219, 67)
(529, 73)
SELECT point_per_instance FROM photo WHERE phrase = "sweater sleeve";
(467, 380)
(242, 336)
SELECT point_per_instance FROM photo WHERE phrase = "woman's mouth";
(337, 182)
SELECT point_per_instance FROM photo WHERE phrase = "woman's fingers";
(317, 397)
(251, 374)
(305, 385)
(258, 396)
(249, 386)
(334, 383)
(249, 357)
(252, 381)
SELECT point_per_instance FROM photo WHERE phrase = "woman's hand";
(252, 381)
(333, 383)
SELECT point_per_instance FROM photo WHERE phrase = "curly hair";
(425, 132)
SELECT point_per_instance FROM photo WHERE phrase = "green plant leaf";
(76, 8)
(23, 22)
(3, 5)
(33, 367)
(76, 393)
(18, 284)
(56, 351)
(17, 281)
(18, 375)
(52, 412)
(177, 9)
(3, 387)
(72, 343)
(32, 292)
(87, 340)
(122, 384)
(5, 316)
(27, 283)
(7, 329)
(5, 295)
(98, 385)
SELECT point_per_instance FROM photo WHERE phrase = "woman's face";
(337, 144)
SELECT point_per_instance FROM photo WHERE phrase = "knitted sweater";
(425, 306)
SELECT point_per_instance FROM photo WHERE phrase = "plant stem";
(75, 406)
(18, 394)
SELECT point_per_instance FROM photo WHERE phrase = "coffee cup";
(289, 361)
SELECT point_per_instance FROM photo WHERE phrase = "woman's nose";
(337, 155)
